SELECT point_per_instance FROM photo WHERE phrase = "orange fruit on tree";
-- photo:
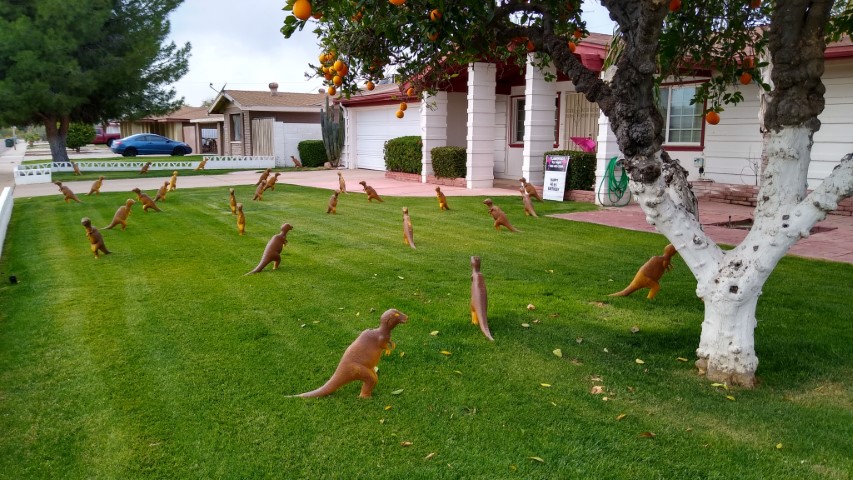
(369, 85)
(745, 78)
(339, 65)
(573, 46)
(749, 61)
(337, 80)
(754, 3)
(397, 2)
(410, 91)
(328, 75)
(712, 117)
(577, 33)
(530, 46)
(403, 106)
(302, 9)
(400, 114)
(435, 15)
(674, 5)
(332, 90)
(317, 15)
(433, 36)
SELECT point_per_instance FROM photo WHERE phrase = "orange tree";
(780, 45)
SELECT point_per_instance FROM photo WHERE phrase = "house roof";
(268, 101)
(183, 114)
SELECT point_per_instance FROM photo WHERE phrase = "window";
(517, 133)
(682, 121)
(236, 128)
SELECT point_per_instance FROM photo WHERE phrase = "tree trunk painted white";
(56, 133)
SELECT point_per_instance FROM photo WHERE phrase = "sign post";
(555, 177)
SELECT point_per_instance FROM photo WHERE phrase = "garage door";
(377, 125)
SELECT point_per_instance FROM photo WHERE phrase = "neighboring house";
(268, 123)
(505, 116)
(192, 125)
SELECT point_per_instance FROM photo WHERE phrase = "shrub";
(403, 154)
(312, 153)
(449, 162)
(79, 134)
(581, 172)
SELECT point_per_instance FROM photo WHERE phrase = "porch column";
(481, 122)
(433, 129)
(539, 124)
(607, 149)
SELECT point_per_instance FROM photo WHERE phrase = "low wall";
(747, 195)
(29, 174)
(6, 203)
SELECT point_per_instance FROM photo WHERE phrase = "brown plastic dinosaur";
(528, 205)
(76, 168)
(69, 195)
(499, 216)
(361, 358)
(442, 200)
(296, 161)
(232, 201)
(408, 231)
(271, 181)
(531, 190)
(146, 201)
(96, 240)
(272, 252)
(333, 202)
(259, 192)
(161, 193)
(241, 218)
(120, 218)
(96, 186)
(650, 274)
(201, 164)
(145, 168)
(479, 299)
(173, 181)
(342, 184)
(371, 193)
(263, 178)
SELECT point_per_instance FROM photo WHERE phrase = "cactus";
(332, 126)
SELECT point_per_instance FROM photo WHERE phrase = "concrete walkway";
(833, 239)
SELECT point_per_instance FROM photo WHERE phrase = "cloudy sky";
(239, 43)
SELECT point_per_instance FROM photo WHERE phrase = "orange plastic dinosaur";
(263, 178)
(371, 193)
(120, 218)
(271, 181)
(272, 252)
(296, 161)
(442, 200)
(96, 186)
(241, 219)
(499, 216)
(528, 205)
(362, 357)
(479, 299)
(342, 184)
(76, 168)
(96, 240)
(67, 193)
(531, 190)
(650, 274)
(408, 231)
(173, 181)
(232, 201)
(161, 193)
(201, 164)
(145, 168)
(333, 202)
(259, 192)
(146, 201)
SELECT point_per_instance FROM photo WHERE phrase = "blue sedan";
(149, 144)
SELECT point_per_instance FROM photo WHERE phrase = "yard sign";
(555, 177)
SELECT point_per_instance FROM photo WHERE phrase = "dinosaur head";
(231, 190)
(58, 184)
(669, 251)
(86, 222)
(286, 228)
(392, 317)
(101, 177)
(488, 202)
(136, 191)
(522, 180)
(405, 210)
(475, 262)
(362, 183)
(336, 193)
(174, 172)
(438, 189)
(129, 202)
(240, 207)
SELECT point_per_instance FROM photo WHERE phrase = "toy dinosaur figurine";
(333, 202)
(69, 195)
(408, 231)
(241, 219)
(296, 161)
(232, 201)
(361, 358)
(259, 192)
(145, 168)
(342, 184)
(650, 274)
(201, 164)
(479, 299)
(146, 201)
(120, 218)
(272, 252)
(271, 181)
(96, 186)
(371, 193)
(96, 240)
(173, 181)
(499, 216)
(528, 205)
(531, 190)
(76, 168)
(161, 193)
(263, 178)
(442, 200)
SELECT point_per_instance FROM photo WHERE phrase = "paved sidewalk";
(834, 243)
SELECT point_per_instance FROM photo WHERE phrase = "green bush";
(312, 153)
(581, 172)
(449, 162)
(79, 134)
(403, 154)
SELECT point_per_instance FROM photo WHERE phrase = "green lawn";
(163, 361)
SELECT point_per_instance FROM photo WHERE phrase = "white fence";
(42, 172)
(6, 203)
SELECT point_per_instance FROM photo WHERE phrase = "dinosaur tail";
(624, 293)
(484, 327)
(327, 389)
(110, 227)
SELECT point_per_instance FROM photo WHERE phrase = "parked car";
(149, 144)
(105, 137)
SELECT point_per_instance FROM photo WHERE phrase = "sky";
(239, 45)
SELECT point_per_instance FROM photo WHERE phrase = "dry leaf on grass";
(546, 385)
(639, 362)
(681, 359)
(597, 390)
(621, 416)
(445, 352)
(406, 444)
(525, 325)
(430, 456)
(434, 333)
(538, 459)
(557, 352)
(531, 307)
(648, 435)
(397, 392)
(635, 329)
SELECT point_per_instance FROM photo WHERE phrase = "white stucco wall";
(457, 119)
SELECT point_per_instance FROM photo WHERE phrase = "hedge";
(312, 153)
(449, 162)
(581, 171)
(403, 154)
